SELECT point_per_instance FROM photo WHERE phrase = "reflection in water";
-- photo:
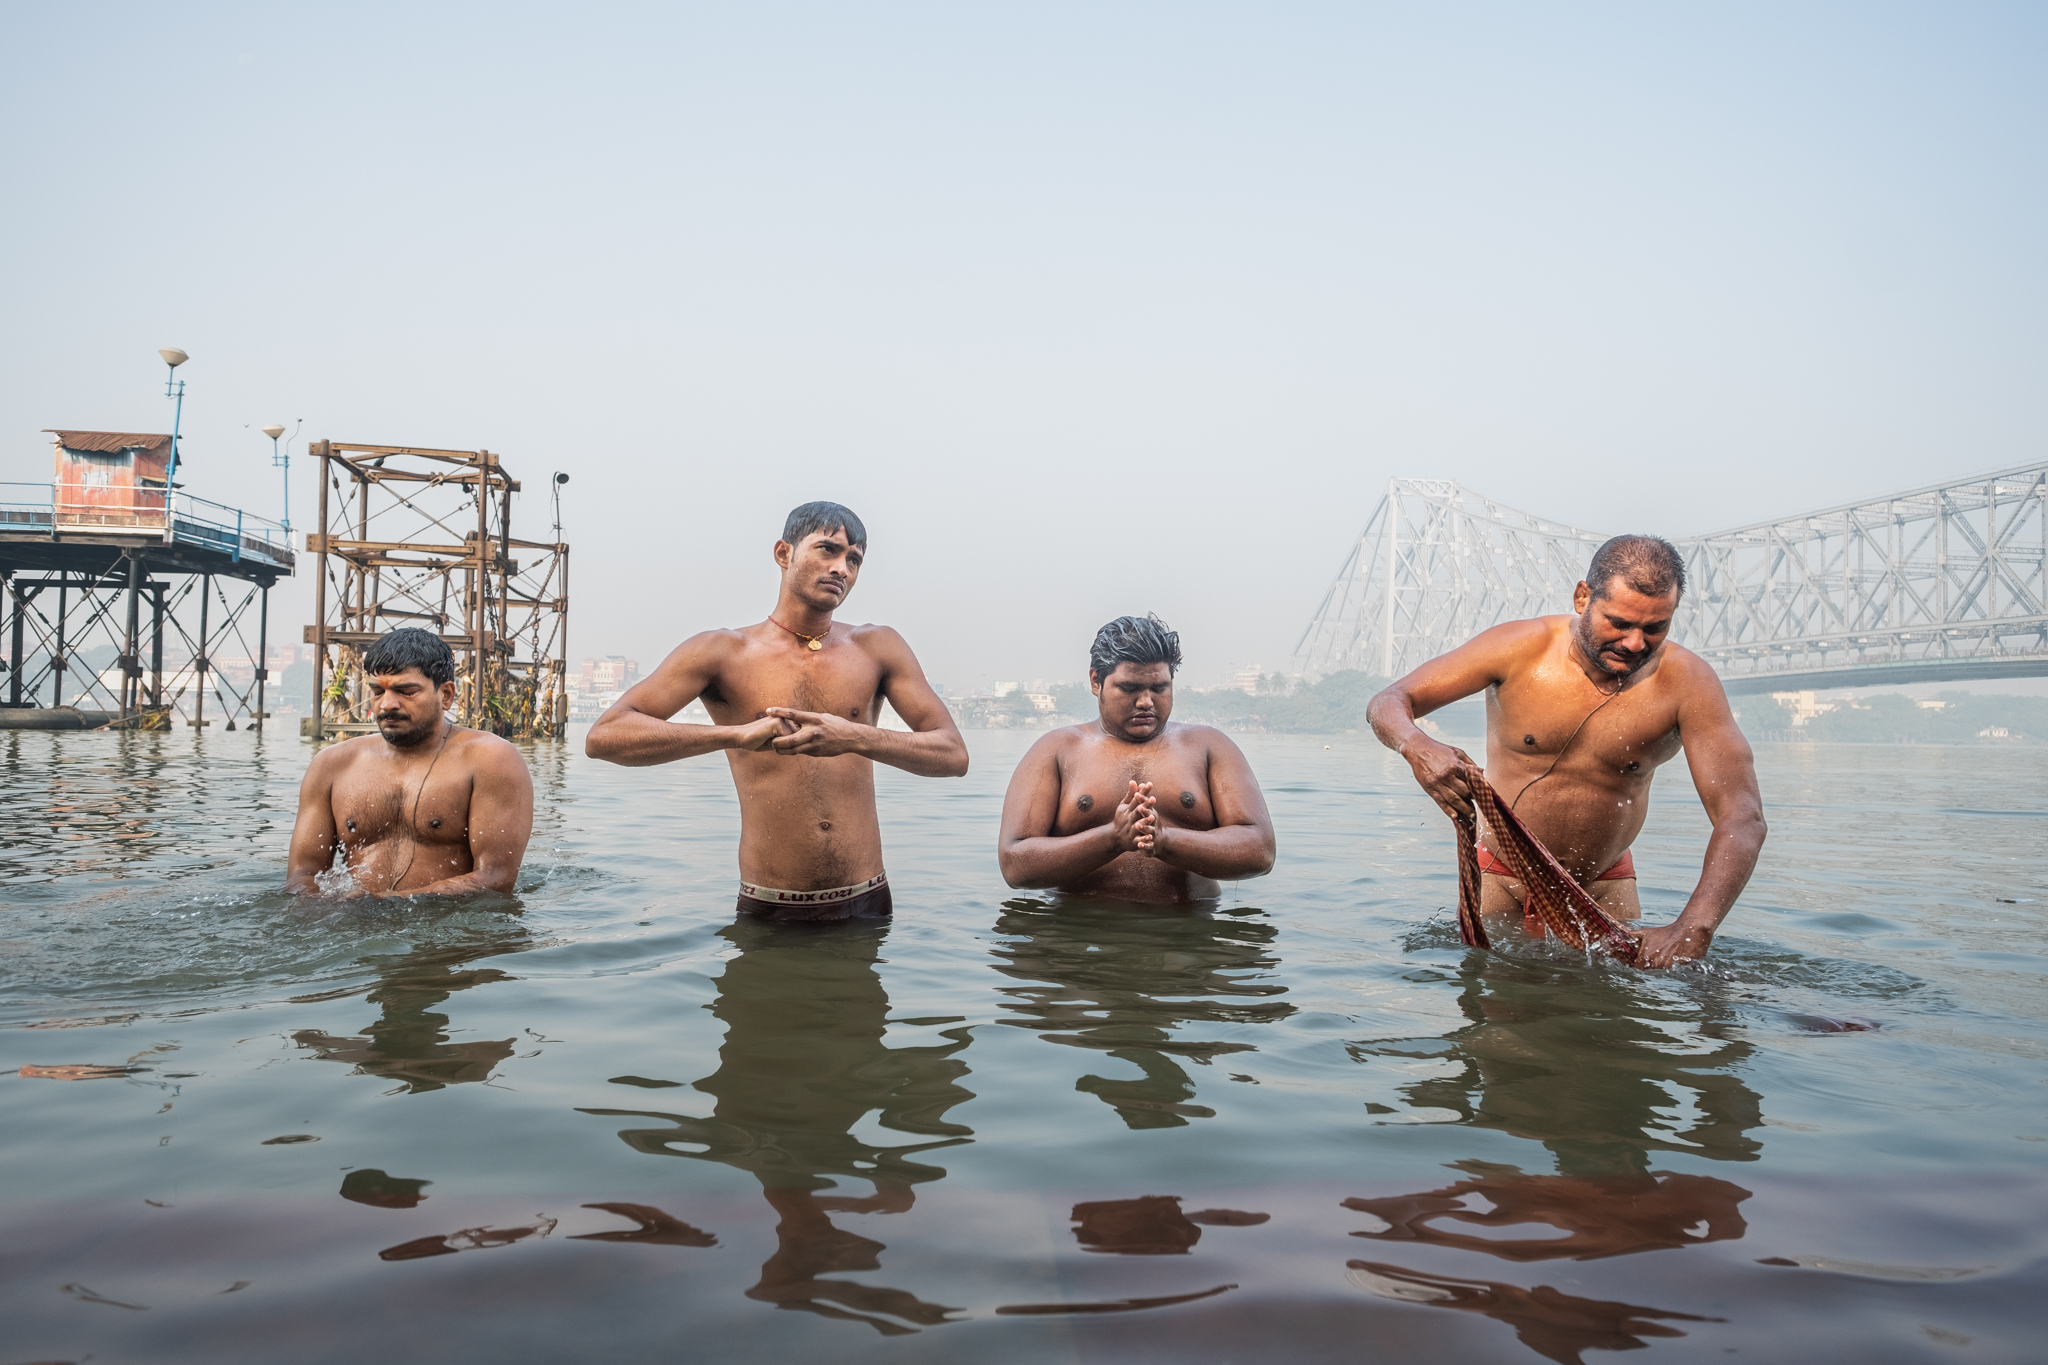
(804, 1061)
(655, 1228)
(91, 810)
(409, 1043)
(1152, 1225)
(381, 1191)
(1571, 1058)
(1122, 979)
(1558, 1326)
(1598, 1215)
(468, 1239)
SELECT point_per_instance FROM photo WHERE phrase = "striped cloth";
(1558, 902)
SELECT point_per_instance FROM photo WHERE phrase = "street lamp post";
(282, 459)
(174, 387)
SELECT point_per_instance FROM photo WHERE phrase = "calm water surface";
(603, 1121)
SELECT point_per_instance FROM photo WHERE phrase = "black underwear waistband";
(875, 904)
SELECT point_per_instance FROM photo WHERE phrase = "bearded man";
(422, 807)
(1581, 710)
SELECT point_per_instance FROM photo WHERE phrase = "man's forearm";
(1056, 860)
(926, 753)
(468, 884)
(1229, 854)
(1392, 717)
(634, 739)
(1731, 858)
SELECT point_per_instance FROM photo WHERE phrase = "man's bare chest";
(1095, 778)
(370, 806)
(1631, 731)
(843, 681)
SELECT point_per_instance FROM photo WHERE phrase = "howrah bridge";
(1942, 583)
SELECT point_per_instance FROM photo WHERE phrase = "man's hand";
(1440, 769)
(817, 734)
(1673, 942)
(763, 732)
(1136, 825)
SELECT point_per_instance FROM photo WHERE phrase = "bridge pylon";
(1437, 564)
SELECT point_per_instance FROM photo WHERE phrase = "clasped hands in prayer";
(815, 734)
(1137, 825)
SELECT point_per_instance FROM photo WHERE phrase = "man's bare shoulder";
(1194, 733)
(881, 641)
(1688, 673)
(480, 749)
(1059, 743)
(337, 758)
(1206, 738)
(1526, 640)
(714, 645)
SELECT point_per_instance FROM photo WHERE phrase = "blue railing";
(199, 522)
(194, 521)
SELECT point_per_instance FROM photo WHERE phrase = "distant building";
(614, 673)
(107, 477)
(1804, 706)
(1246, 680)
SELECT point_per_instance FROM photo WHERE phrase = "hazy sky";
(1086, 309)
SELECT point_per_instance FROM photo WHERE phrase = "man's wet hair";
(1134, 640)
(814, 517)
(411, 647)
(1649, 564)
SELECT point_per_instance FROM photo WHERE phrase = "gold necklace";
(815, 641)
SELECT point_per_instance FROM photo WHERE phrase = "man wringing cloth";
(1131, 805)
(796, 700)
(1580, 712)
(424, 806)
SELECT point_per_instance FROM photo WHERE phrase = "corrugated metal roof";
(112, 442)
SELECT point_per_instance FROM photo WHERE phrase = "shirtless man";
(423, 807)
(1082, 815)
(1580, 711)
(797, 699)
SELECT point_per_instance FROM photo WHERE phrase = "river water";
(603, 1121)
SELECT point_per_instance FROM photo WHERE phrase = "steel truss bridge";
(1938, 584)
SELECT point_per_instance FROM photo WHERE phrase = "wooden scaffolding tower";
(415, 537)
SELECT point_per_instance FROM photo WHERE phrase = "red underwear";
(1624, 868)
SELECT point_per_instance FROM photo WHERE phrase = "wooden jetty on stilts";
(110, 553)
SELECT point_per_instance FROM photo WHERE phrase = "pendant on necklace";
(816, 645)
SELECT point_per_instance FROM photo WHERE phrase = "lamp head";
(173, 357)
(561, 478)
(274, 430)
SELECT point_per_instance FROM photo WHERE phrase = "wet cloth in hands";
(1560, 904)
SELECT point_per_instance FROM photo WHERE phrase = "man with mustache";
(424, 806)
(1130, 805)
(1580, 712)
(797, 704)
